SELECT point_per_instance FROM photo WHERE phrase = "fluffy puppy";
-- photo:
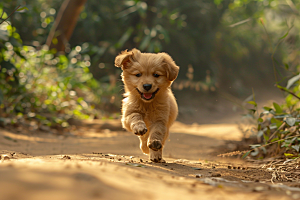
(149, 107)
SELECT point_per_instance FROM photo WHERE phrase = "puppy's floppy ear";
(126, 58)
(171, 68)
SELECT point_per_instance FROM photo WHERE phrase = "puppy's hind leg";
(143, 143)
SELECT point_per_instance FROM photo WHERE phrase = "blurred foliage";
(186, 31)
(223, 38)
(36, 85)
(277, 126)
(219, 45)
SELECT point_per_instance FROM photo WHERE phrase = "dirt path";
(100, 161)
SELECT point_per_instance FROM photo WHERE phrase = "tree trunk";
(64, 24)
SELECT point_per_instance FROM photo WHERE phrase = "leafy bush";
(37, 85)
(277, 126)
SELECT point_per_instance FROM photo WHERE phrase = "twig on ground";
(240, 152)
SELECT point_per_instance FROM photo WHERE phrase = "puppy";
(149, 107)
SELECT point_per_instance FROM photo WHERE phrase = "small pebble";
(215, 174)
(197, 168)
(234, 167)
(171, 168)
(198, 175)
(66, 157)
(258, 189)
(141, 160)
(229, 167)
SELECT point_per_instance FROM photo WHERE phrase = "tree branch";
(8, 15)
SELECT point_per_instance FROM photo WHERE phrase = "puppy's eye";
(138, 75)
(156, 75)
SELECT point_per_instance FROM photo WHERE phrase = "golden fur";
(148, 114)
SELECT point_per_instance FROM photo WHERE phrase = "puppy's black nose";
(147, 86)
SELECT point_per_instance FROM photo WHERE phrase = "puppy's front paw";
(156, 156)
(140, 129)
(155, 145)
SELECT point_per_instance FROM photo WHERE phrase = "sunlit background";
(226, 50)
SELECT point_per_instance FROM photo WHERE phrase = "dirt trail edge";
(95, 162)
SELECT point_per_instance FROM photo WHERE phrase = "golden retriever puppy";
(149, 107)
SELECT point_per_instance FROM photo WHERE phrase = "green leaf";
(276, 122)
(292, 81)
(291, 121)
(218, 2)
(296, 147)
(286, 66)
(282, 88)
(246, 154)
(274, 139)
(277, 108)
(259, 126)
(252, 111)
(260, 120)
(252, 103)
(267, 108)
(266, 137)
(286, 34)
(288, 155)
(22, 9)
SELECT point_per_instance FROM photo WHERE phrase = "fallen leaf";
(135, 164)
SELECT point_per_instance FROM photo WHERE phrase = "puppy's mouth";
(148, 96)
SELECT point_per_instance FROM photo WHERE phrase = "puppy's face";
(146, 75)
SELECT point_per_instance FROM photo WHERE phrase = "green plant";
(277, 127)
(36, 85)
